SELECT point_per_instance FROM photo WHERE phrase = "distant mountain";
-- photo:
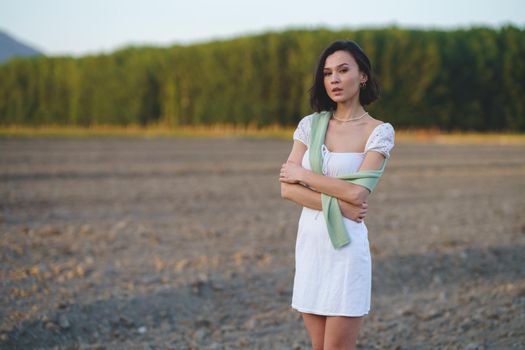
(10, 47)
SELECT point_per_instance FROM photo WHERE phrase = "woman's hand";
(353, 212)
(291, 172)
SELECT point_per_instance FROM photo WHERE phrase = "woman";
(332, 286)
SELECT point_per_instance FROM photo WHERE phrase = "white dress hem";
(326, 313)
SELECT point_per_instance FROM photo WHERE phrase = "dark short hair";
(319, 99)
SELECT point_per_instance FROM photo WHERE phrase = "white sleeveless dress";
(329, 281)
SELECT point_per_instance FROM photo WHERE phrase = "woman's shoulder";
(374, 123)
(378, 127)
(302, 132)
(381, 137)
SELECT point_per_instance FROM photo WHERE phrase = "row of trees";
(469, 79)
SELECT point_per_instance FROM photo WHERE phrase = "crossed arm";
(352, 198)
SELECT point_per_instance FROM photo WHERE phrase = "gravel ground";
(159, 243)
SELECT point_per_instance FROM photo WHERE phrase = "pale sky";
(77, 27)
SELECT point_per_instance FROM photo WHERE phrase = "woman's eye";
(344, 70)
(326, 74)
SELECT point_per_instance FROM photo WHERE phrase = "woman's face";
(342, 77)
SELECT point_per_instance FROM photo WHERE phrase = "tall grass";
(217, 130)
(230, 130)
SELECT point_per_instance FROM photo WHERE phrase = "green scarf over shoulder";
(331, 211)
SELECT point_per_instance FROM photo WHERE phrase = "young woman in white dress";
(332, 287)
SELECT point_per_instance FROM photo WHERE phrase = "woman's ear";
(363, 78)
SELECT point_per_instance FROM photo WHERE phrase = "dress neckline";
(367, 140)
(342, 152)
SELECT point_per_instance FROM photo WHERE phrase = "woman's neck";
(348, 110)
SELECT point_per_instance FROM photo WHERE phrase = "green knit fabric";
(366, 178)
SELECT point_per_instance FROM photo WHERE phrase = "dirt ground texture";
(162, 243)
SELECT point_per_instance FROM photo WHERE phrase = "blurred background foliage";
(465, 79)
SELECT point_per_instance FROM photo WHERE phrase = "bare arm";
(295, 191)
(341, 189)
(309, 198)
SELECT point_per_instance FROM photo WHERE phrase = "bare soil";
(161, 243)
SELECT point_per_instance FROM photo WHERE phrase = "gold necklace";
(350, 119)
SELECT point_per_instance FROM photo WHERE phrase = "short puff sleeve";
(381, 140)
(302, 132)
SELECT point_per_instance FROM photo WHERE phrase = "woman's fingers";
(283, 170)
(284, 174)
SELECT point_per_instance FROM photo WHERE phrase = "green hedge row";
(469, 79)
